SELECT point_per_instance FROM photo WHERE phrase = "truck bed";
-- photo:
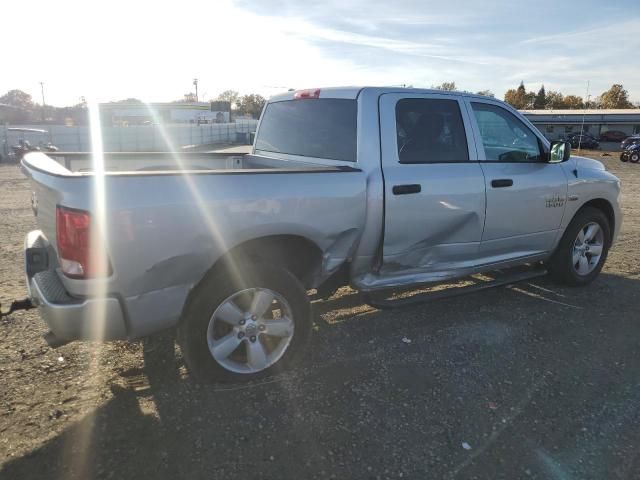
(169, 217)
(167, 162)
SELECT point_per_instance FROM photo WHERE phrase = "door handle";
(406, 189)
(501, 183)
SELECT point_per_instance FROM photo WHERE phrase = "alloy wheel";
(250, 330)
(587, 249)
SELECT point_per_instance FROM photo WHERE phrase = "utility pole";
(43, 104)
(195, 83)
(584, 112)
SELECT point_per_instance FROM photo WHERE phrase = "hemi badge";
(573, 198)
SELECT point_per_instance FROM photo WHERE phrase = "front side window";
(430, 131)
(504, 136)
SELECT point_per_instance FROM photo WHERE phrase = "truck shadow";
(346, 406)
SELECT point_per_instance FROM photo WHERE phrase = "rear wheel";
(634, 157)
(583, 248)
(241, 329)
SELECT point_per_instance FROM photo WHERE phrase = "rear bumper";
(68, 317)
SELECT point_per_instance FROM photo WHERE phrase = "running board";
(475, 283)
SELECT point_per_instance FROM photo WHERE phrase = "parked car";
(577, 134)
(631, 153)
(630, 141)
(613, 136)
(376, 188)
(584, 140)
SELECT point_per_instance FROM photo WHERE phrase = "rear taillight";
(73, 232)
(311, 93)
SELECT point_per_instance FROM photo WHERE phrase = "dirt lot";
(532, 381)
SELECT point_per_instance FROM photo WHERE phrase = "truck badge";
(554, 201)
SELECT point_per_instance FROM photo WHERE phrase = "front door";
(526, 195)
(434, 185)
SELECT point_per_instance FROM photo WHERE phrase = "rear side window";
(322, 128)
(430, 131)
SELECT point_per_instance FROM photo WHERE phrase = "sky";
(153, 50)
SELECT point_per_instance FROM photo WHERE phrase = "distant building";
(556, 124)
(124, 114)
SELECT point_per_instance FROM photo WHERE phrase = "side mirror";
(560, 152)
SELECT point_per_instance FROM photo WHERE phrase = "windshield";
(320, 128)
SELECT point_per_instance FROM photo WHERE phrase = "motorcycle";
(631, 153)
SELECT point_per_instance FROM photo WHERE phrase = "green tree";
(573, 102)
(555, 100)
(615, 97)
(529, 98)
(593, 104)
(510, 96)
(251, 104)
(23, 107)
(18, 99)
(519, 98)
(230, 96)
(447, 86)
(540, 101)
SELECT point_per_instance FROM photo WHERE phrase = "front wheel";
(583, 248)
(244, 325)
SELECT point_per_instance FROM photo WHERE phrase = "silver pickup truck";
(382, 189)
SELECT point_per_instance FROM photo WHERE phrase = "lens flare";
(184, 170)
(80, 449)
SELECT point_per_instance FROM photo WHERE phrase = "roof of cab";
(352, 92)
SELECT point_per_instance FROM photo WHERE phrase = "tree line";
(25, 110)
(616, 97)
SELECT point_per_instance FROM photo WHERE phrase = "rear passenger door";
(525, 194)
(434, 186)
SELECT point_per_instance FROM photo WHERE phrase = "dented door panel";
(440, 226)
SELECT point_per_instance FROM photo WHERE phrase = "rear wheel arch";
(297, 254)
(301, 256)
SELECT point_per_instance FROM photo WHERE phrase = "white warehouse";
(125, 114)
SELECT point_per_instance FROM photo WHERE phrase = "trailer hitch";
(16, 305)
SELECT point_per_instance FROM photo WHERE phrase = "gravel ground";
(531, 381)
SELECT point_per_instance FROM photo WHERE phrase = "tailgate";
(52, 184)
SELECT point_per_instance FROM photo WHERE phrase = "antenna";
(584, 112)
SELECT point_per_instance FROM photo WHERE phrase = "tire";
(562, 267)
(623, 158)
(213, 299)
(634, 157)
